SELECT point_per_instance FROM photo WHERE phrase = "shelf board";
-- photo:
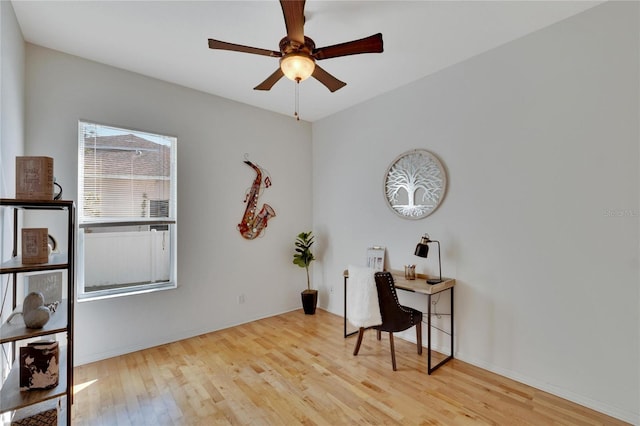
(59, 404)
(15, 265)
(18, 331)
(11, 398)
(37, 204)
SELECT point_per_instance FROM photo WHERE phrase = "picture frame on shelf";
(34, 178)
(35, 245)
(49, 284)
(375, 258)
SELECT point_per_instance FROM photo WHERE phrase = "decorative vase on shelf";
(34, 313)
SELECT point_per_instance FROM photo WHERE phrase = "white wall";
(12, 65)
(540, 225)
(215, 264)
(11, 112)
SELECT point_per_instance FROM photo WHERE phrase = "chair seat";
(400, 323)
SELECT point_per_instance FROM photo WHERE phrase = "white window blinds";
(125, 175)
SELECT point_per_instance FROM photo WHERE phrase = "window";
(126, 211)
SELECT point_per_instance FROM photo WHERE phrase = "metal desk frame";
(420, 286)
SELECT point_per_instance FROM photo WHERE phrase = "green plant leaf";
(303, 255)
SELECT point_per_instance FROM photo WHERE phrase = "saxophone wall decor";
(254, 222)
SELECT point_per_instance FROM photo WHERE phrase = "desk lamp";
(422, 250)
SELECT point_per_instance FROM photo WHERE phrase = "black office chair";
(395, 317)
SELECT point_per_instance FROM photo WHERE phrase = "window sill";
(111, 294)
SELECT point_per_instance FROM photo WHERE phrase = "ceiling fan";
(298, 54)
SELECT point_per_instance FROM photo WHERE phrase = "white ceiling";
(168, 40)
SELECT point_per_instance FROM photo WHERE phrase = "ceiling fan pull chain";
(297, 101)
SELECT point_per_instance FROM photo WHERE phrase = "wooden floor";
(298, 369)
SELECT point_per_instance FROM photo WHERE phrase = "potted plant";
(303, 258)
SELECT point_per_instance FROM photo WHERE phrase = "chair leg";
(393, 352)
(359, 342)
(379, 334)
(419, 336)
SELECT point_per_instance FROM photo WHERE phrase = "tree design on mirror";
(415, 184)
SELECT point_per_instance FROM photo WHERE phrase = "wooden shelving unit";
(11, 398)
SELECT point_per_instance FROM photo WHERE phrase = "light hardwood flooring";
(298, 369)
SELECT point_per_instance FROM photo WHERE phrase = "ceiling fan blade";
(270, 81)
(223, 45)
(327, 79)
(293, 11)
(371, 44)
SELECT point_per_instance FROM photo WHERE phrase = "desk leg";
(452, 351)
(429, 334)
(345, 312)
(441, 363)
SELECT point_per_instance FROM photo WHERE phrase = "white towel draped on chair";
(363, 309)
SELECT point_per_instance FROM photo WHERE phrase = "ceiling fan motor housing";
(290, 46)
(298, 54)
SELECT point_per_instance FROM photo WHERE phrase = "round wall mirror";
(415, 184)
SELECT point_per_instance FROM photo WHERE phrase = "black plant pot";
(309, 301)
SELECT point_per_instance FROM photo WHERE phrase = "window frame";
(83, 223)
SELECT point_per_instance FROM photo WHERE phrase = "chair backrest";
(395, 317)
(387, 296)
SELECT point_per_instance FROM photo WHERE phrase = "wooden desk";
(419, 285)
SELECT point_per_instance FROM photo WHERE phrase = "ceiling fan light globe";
(297, 66)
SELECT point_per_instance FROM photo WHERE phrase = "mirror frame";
(432, 185)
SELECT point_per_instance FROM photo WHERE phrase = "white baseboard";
(618, 413)
(624, 415)
(186, 334)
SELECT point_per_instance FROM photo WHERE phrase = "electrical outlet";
(241, 299)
